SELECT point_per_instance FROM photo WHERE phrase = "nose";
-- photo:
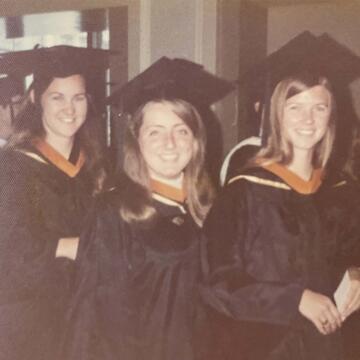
(69, 108)
(170, 141)
(309, 116)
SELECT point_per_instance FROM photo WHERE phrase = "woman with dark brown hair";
(271, 244)
(49, 170)
(139, 256)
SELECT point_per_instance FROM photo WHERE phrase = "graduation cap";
(55, 61)
(60, 61)
(169, 79)
(322, 56)
(9, 88)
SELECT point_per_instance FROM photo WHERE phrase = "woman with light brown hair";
(139, 167)
(139, 256)
(270, 242)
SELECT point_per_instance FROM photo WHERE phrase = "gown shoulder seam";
(261, 181)
(33, 156)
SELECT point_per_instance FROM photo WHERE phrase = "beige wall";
(173, 29)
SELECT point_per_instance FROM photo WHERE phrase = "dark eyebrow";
(55, 93)
(300, 102)
(62, 94)
(154, 125)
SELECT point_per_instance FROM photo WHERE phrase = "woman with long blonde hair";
(270, 242)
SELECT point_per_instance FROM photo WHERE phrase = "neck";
(176, 182)
(301, 164)
(63, 146)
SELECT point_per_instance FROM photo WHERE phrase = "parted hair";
(136, 204)
(28, 125)
(278, 148)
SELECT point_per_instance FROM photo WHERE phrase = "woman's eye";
(56, 97)
(321, 108)
(183, 131)
(153, 133)
(293, 107)
(80, 98)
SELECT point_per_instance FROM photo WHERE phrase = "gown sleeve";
(25, 256)
(27, 268)
(81, 336)
(94, 307)
(230, 288)
(349, 239)
(341, 205)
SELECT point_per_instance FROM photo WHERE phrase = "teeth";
(169, 157)
(68, 120)
(306, 132)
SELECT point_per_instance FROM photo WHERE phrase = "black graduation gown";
(39, 204)
(266, 243)
(137, 286)
(340, 198)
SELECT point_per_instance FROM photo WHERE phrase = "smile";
(305, 132)
(169, 157)
(68, 120)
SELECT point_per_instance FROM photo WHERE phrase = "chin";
(170, 175)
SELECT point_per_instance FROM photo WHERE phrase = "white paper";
(342, 290)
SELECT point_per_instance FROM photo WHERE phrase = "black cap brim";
(9, 88)
(171, 78)
(322, 56)
(55, 61)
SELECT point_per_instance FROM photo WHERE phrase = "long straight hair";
(28, 125)
(136, 205)
(278, 148)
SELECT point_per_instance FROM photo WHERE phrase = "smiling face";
(166, 142)
(64, 107)
(306, 118)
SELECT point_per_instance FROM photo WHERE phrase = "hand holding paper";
(321, 311)
(347, 295)
(67, 247)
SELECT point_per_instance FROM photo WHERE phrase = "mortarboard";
(171, 78)
(60, 61)
(55, 61)
(305, 53)
(9, 87)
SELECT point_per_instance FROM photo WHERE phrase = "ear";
(32, 96)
